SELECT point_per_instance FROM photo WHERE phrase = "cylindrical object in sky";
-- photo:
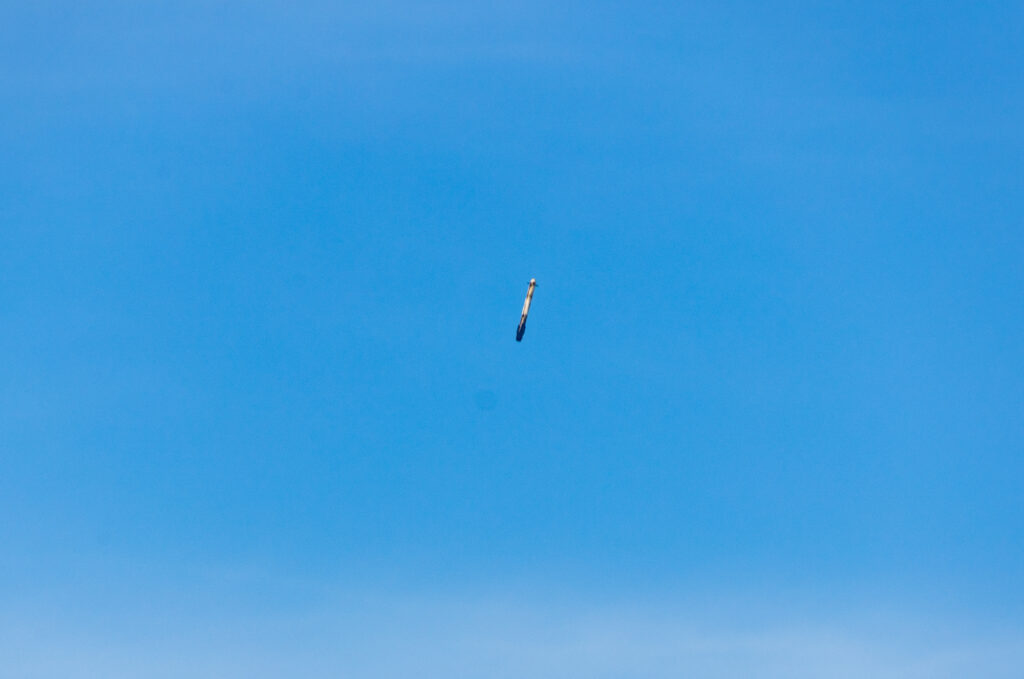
(526, 310)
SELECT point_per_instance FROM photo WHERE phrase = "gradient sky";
(261, 408)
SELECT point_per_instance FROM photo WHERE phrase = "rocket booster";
(526, 310)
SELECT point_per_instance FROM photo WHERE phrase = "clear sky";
(262, 412)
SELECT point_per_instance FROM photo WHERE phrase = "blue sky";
(261, 407)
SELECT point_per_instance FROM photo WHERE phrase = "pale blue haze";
(261, 408)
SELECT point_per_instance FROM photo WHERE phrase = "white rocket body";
(526, 310)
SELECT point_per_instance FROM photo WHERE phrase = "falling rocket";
(526, 310)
